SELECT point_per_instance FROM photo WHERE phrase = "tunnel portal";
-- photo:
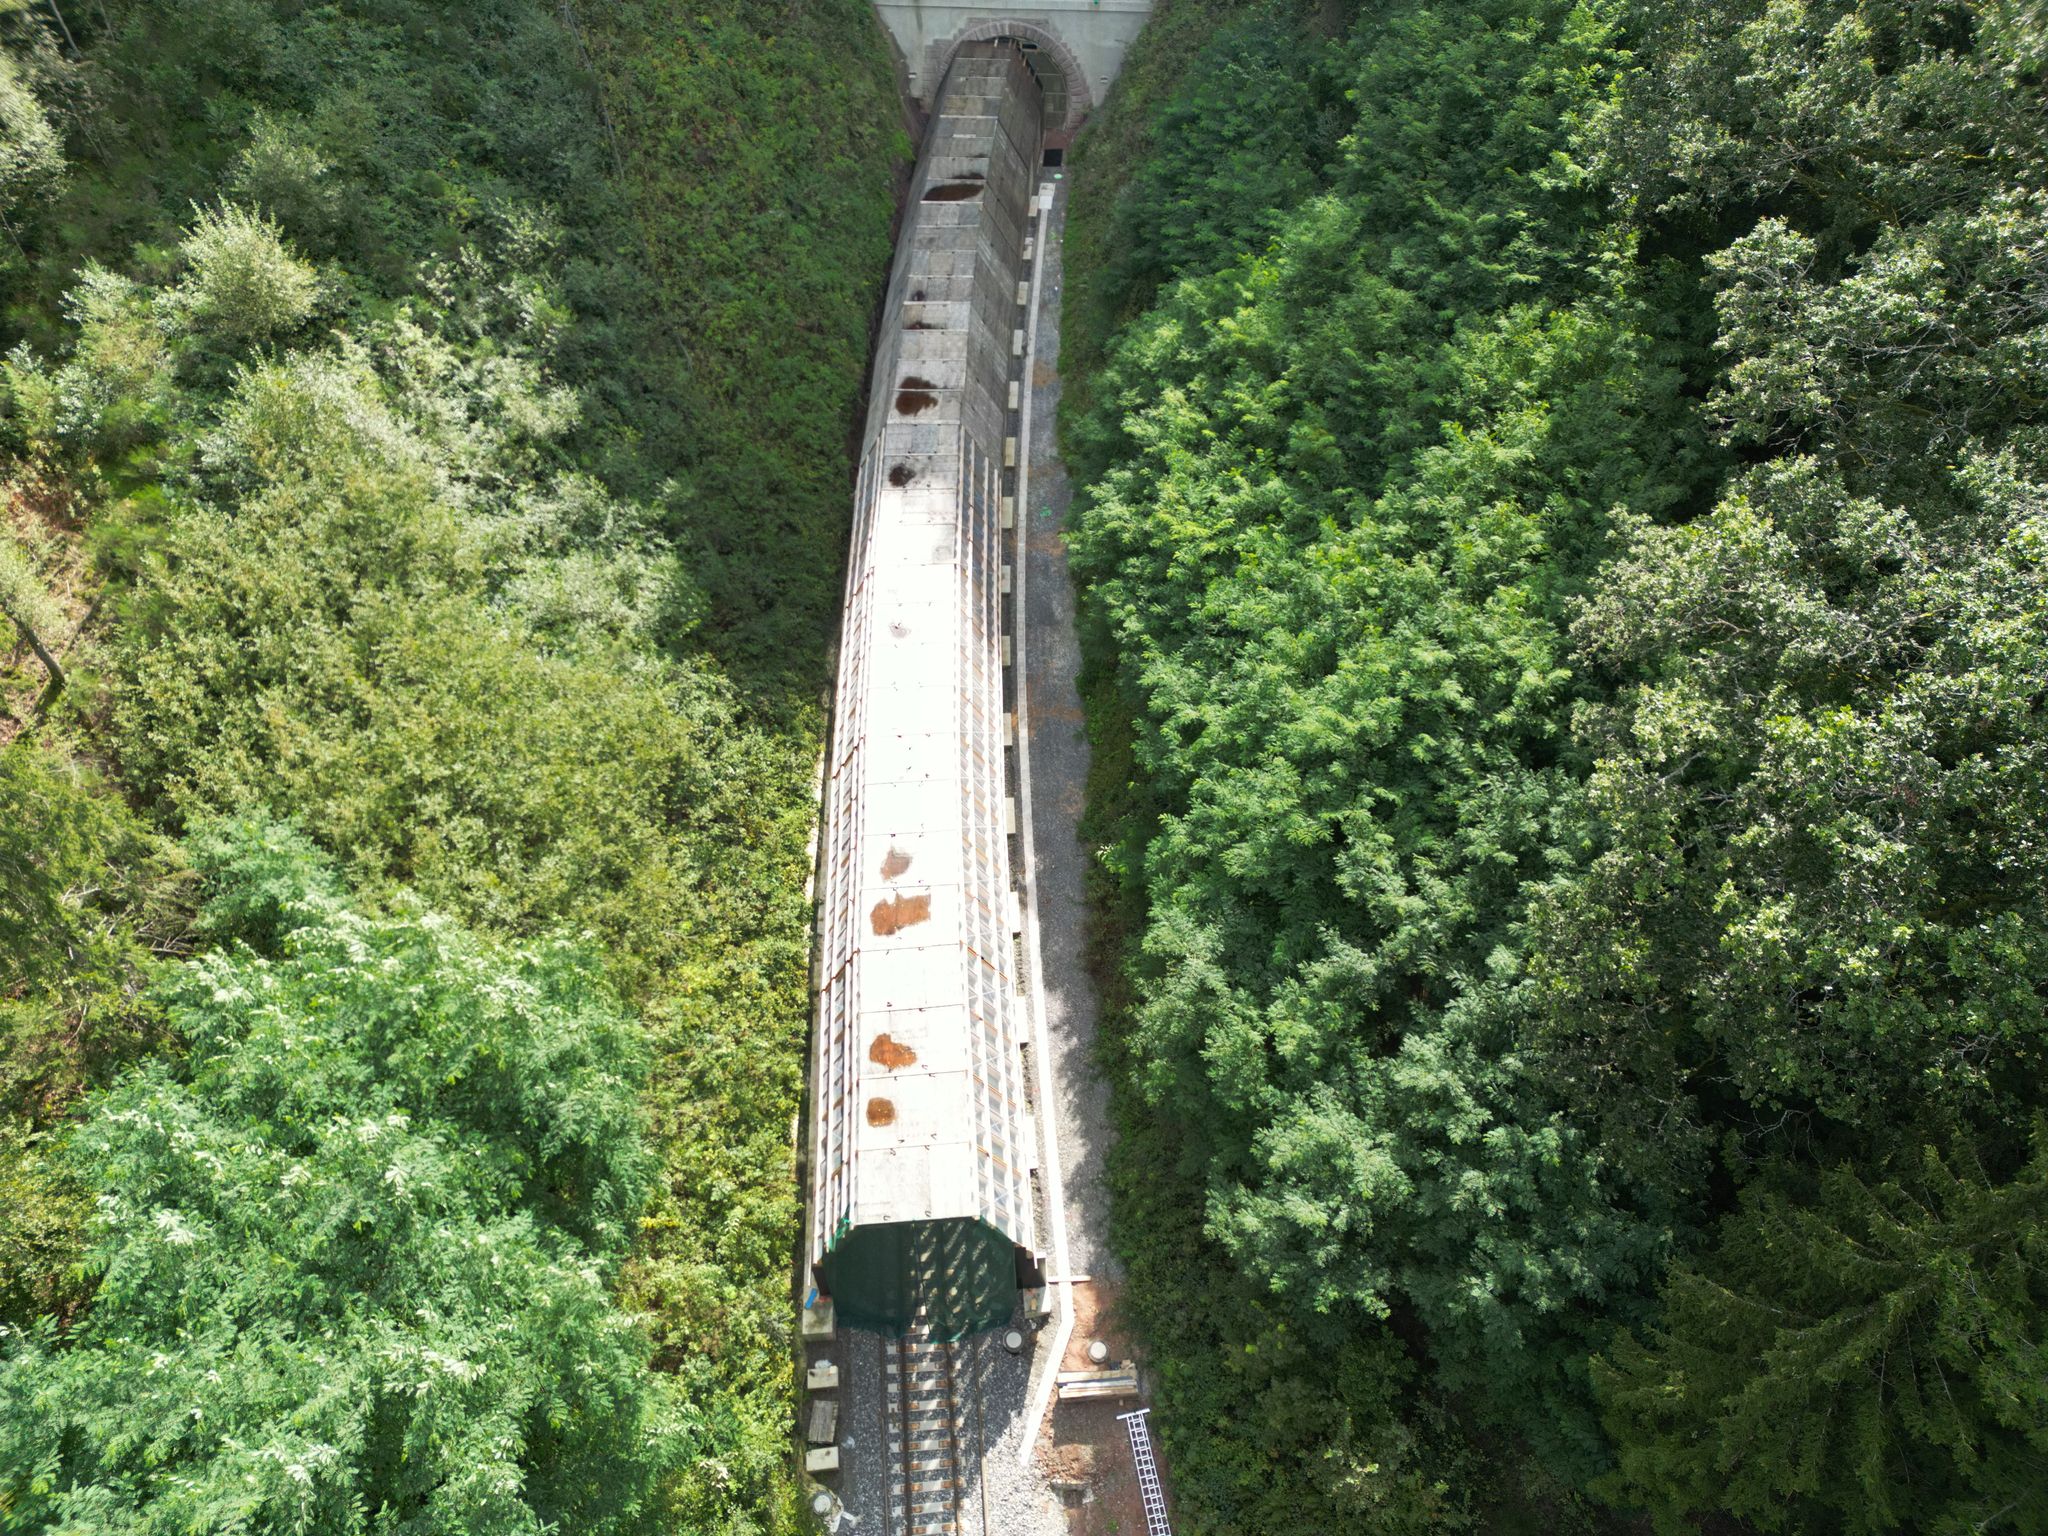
(1075, 48)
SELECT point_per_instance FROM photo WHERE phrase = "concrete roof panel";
(911, 978)
(906, 1041)
(912, 858)
(903, 809)
(912, 757)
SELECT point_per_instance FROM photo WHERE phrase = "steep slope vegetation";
(409, 445)
(1561, 541)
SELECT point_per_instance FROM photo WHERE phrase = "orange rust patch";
(888, 1051)
(881, 1111)
(899, 913)
(894, 863)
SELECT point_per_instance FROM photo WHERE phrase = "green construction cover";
(963, 1270)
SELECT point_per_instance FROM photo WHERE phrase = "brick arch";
(1080, 90)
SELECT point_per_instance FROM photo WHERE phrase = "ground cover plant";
(368, 425)
(1562, 545)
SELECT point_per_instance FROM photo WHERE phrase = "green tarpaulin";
(963, 1272)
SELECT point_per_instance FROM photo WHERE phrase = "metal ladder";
(1149, 1488)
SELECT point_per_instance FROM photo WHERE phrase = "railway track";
(933, 1430)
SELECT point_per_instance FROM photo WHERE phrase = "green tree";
(1233, 155)
(1342, 494)
(1572, 577)
(1867, 1359)
(1814, 909)
(352, 1253)
(31, 150)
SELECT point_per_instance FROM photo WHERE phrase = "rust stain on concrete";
(881, 1111)
(915, 395)
(899, 913)
(887, 1051)
(895, 862)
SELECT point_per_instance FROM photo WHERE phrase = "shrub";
(242, 285)
(352, 1253)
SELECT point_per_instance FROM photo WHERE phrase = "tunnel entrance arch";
(1060, 73)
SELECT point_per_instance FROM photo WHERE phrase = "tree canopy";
(1562, 538)
(373, 385)
(352, 1251)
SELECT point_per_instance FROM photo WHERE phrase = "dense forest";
(1564, 535)
(1562, 522)
(424, 427)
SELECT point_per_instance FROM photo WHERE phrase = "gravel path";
(1059, 779)
(1014, 1496)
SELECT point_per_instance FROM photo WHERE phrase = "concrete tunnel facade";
(1075, 47)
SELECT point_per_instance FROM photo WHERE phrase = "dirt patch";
(1085, 1452)
(1095, 1318)
(901, 475)
(43, 515)
(899, 913)
(953, 192)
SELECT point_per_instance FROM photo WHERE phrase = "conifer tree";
(1870, 1359)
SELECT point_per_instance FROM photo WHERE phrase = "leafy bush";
(1563, 572)
(88, 897)
(46, 1216)
(757, 145)
(241, 284)
(352, 1251)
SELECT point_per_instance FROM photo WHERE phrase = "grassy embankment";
(476, 506)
